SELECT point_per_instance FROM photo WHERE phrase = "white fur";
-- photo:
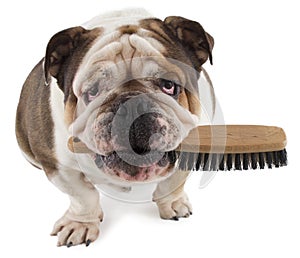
(77, 173)
(60, 131)
(68, 178)
(170, 198)
(112, 20)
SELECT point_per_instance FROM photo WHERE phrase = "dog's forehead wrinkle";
(125, 57)
(128, 48)
(114, 44)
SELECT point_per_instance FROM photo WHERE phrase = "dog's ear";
(193, 37)
(61, 46)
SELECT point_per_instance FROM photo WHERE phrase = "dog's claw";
(69, 244)
(87, 243)
(191, 213)
(175, 218)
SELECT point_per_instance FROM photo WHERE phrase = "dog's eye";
(92, 92)
(169, 87)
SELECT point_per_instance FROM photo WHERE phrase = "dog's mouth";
(131, 167)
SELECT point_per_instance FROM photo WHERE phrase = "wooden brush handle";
(221, 139)
(234, 139)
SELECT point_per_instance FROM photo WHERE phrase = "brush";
(233, 147)
(224, 147)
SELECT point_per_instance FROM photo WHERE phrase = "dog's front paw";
(174, 206)
(71, 232)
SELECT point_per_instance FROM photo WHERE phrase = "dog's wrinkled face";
(132, 96)
(131, 117)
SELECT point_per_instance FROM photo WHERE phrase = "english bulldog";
(124, 84)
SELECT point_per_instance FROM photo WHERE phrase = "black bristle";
(261, 160)
(213, 164)
(183, 161)
(253, 161)
(206, 162)
(191, 161)
(198, 163)
(221, 162)
(283, 157)
(269, 159)
(229, 162)
(276, 159)
(237, 162)
(245, 161)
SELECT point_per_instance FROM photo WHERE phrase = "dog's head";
(131, 92)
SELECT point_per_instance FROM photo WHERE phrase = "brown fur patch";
(192, 35)
(174, 49)
(68, 71)
(73, 61)
(65, 52)
(70, 109)
(159, 31)
(183, 101)
(34, 124)
(156, 27)
(178, 50)
(194, 103)
(128, 29)
(190, 102)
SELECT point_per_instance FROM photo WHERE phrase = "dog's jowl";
(125, 84)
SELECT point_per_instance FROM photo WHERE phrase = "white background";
(239, 214)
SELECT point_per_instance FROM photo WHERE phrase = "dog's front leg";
(170, 197)
(80, 223)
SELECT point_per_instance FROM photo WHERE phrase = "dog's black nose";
(136, 124)
(137, 119)
(140, 133)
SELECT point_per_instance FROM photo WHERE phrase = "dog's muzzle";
(140, 136)
(133, 135)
